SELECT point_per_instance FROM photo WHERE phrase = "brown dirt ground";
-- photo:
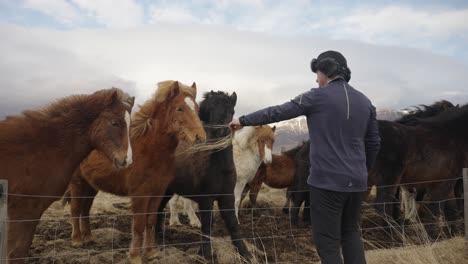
(266, 228)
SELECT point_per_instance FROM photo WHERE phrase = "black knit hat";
(331, 63)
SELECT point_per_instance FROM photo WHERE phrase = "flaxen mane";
(141, 120)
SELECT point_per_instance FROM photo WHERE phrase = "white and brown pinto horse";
(252, 146)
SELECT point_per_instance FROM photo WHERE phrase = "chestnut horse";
(252, 145)
(40, 149)
(162, 122)
(279, 174)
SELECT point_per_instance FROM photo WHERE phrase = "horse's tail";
(408, 204)
(66, 198)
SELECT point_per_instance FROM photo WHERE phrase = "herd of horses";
(173, 146)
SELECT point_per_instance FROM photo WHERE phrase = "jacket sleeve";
(288, 110)
(372, 139)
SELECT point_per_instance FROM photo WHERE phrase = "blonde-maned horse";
(40, 149)
(170, 117)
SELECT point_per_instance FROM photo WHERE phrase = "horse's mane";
(424, 111)
(449, 119)
(265, 131)
(292, 152)
(66, 107)
(141, 120)
(203, 113)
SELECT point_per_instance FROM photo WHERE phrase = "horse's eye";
(115, 123)
(180, 110)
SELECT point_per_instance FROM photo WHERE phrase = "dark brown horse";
(423, 150)
(171, 116)
(40, 149)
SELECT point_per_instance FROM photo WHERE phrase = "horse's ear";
(113, 97)
(234, 98)
(274, 128)
(175, 90)
(194, 86)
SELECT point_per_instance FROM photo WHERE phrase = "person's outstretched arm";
(294, 108)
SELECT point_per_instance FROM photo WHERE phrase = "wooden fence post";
(3, 221)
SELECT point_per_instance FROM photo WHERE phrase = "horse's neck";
(249, 151)
(158, 143)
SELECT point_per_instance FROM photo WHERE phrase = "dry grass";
(112, 237)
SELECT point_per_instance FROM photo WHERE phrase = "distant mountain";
(291, 133)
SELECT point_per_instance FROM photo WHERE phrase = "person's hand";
(234, 125)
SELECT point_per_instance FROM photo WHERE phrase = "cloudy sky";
(401, 53)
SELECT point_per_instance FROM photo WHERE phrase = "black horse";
(209, 176)
(298, 193)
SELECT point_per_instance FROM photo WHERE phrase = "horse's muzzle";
(120, 163)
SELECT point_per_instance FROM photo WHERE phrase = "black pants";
(335, 220)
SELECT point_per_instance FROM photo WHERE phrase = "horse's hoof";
(196, 224)
(87, 240)
(136, 260)
(175, 223)
(151, 254)
(76, 243)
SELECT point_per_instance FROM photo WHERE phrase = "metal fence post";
(3, 220)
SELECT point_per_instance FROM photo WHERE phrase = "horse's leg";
(306, 212)
(238, 194)
(451, 213)
(245, 191)
(139, 208)
(226, 204)
(20, 237)
(75, 190)
(255, 187)
(90, 193)
(174, 219)
(152, 216)
(162, 216)
(206, 209)
(297, 198)
(188, 208)
(21, 233)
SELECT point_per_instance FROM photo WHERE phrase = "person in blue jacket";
(344, 142)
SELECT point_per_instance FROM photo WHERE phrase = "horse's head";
(109, 132)
(177, 101)
(265, 136)
(217, 108)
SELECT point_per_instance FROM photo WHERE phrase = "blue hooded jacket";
(343, 131)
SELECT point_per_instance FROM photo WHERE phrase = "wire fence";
(280, 232)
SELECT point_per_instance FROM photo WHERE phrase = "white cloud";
(172, 14)
(404, 21)
(35, 71)
(264, 70)
(60, 10)
(113, 13)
